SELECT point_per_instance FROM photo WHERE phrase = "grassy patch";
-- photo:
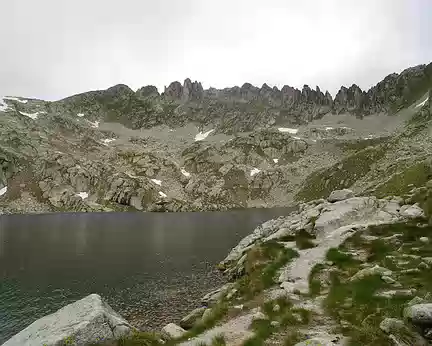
(218, 312)
(315, 285)
(424, 198)
(356, 302)
(340, 259)
(261, 265)
(302, 238)
(341, 175)
(141, 339)
(401, 183)
(293, 338)
(287, 318)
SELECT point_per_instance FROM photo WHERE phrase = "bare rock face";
(85, 322)
(349, 100)
(148, 91)
(172, 331)
(192, 91)
(340, 195)
(419, 314)
(174, 91)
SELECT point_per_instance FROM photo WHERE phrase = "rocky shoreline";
(274, 273)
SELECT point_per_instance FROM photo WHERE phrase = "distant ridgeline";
(245, 108)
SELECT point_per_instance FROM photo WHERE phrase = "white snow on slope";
(254, 171)
(200, 136)
(3, 190)
(33, 116)
(288, 130)
(95, 124)
(328, 128)
(295, 137)
(423, 103)
(15, 99)
(275, 160)
(80, 115)
(106, 141)
(162, 194)
(3, 105)
(83, 195)
(157, 182)
(186, 174)
(130, 175)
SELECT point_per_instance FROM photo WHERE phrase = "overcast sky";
(52, 48)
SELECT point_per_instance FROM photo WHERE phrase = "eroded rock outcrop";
(85, 322)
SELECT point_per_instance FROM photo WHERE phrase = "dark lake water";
(150, 267)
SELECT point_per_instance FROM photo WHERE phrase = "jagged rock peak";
(192, 90)
(186, 92)
(148, 91)
(120, 89)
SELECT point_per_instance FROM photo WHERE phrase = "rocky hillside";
(193, 149)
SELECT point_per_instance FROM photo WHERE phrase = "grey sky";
(53, 48)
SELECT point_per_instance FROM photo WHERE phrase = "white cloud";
(136, 42)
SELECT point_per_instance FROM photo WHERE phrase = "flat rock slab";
(84, 322)
(235, 332)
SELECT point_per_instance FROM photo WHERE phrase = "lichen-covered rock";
(190, 319)
(85, 322)
(340, 195)
(419, 314)
(375, 270)
(173, 331)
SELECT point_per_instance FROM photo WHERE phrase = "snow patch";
(80, 115)
(33, 116)
(295, 137)
(131, 175)
(157, 182)
(288, 130)
(162, 194)
(3, 190)
(106, 141)
(254, 171)
(95, 124)
(83, 195)
(200, 136)
(15, 99)
(186, 174)
(328, 128)
(3, 105)
(275, 160)
(423, 103)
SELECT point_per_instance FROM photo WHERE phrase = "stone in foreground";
(85, 322)
(172, 331)
(419, 314)
(188, 321)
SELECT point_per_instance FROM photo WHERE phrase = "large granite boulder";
(85, 322)
(419, 314)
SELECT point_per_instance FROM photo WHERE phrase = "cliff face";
(248, 107)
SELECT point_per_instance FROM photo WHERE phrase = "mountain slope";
(195, 149)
